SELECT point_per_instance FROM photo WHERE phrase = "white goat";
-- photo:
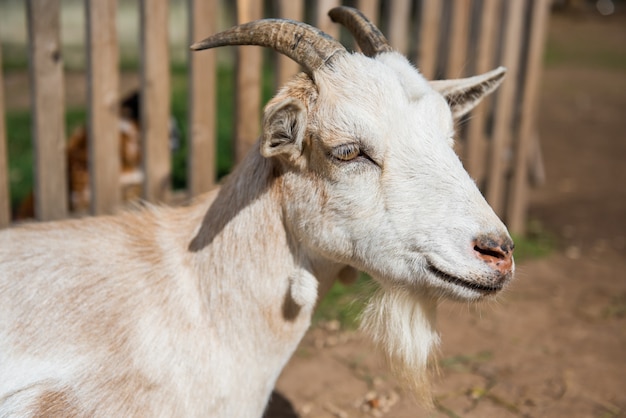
(194, 311)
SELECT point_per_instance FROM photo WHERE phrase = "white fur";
(402, 324)
(194, 311)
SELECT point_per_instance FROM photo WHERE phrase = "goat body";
(194, 311)
(163, 312)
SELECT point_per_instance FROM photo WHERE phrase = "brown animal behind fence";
(77, 162)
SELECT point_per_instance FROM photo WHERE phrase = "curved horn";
(308, 46)
(370, 39)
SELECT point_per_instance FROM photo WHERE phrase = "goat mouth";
(485, 289)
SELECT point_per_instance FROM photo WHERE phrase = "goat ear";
(465, 93)
(284, 124)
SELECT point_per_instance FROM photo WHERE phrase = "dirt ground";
(555, 344)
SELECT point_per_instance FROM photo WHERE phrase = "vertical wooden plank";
(399, 18)
(501, 140)
(201, 152)
(286, 67)
(457, 50)
(103, 102)
(48, 105)
(537, 171)
(5, 206)
(518, 200)
(155, 100)
(429, 37)
(476, 139)
(371, 9)
(248, 95)
(322, 20)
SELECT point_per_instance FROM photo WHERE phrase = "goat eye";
(346, 152)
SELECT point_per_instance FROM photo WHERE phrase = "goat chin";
(401, 323)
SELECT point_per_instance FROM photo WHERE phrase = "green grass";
(591, 42)
(537, 243)
(599, 56)
(20, 149)
(345, 302)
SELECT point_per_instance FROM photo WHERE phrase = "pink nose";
(497, 252)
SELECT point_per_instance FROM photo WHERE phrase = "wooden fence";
(452, 38)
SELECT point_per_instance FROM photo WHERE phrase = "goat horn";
(308, 46)
(370, 39)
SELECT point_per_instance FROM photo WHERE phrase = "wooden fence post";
(155, 100)
(459, 39)
(5, 206)
(286, 67)
(46, 77)
(476, 138)
(248, 89)
(429, 38)
(201, 150)
(501, 138)
(322, 20)
(103, 105)
(398, 27)
(370, 8)
(518, 197)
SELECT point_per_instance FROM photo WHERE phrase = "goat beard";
(402, 324)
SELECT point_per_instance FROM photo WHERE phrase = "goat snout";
(496, 252)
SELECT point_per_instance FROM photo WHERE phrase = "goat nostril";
(497, 252)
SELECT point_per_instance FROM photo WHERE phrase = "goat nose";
(498, 253)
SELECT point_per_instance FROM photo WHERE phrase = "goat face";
(370, 178)
(368, 174)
